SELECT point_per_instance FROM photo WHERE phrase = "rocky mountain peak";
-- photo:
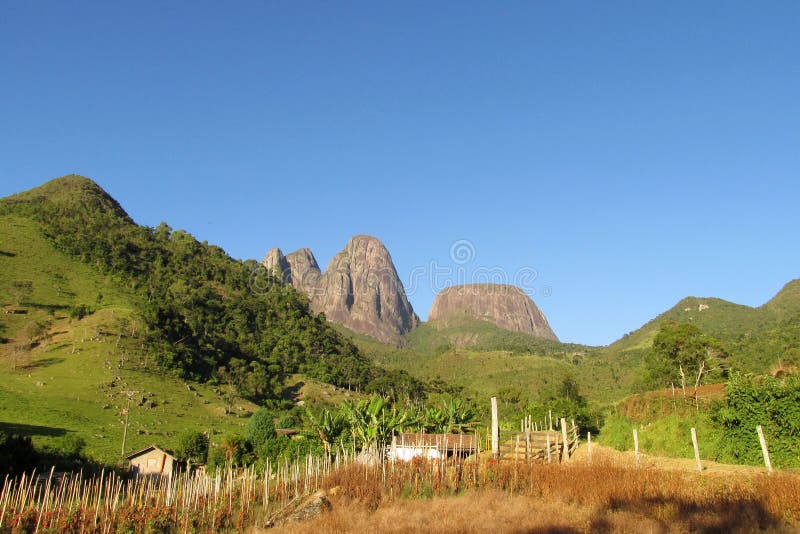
(506, 306)
(305, 271)
(360, 289)
(276, 262)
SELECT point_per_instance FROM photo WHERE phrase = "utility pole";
(126, 413)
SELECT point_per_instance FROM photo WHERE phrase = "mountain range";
(360, 289)
(97, 307)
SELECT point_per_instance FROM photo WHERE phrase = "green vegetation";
(206, 316)
(754, 339)
(192, 447)
(725, 422)
(682, 354)
(669, 435)
(773, 403)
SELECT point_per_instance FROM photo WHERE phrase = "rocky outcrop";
(299, 268)
(360, 288)
(276, 262)
(506, 306)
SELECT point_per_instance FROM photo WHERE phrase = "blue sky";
(628, 153)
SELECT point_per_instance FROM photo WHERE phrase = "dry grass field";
(611, 495)
(320, 496)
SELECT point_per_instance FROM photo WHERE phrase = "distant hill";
(756, 338)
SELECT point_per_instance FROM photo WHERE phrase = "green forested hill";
(96, 309)
(754, 339)
(205, 314)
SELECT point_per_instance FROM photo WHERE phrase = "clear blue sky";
(632, 153)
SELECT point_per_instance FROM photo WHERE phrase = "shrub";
(193, 446)
(761, 400)
(260, 429)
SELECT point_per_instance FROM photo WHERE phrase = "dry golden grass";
(605, 497)
(420, 496)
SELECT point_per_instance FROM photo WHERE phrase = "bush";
(260, 429)
(79, 311)
(193, 446)
(17, 454)
(761, 400)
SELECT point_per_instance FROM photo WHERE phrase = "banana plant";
(459, 417)
(374, 420)
(328, 426)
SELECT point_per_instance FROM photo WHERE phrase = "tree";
(236, 451)
(569, 391)
(773, 403)
(21, 290)
(193, 446)
(260, 429)
(683, 348)
(35, 330)
(17, 454)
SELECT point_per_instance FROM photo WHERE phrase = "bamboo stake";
(589, 448)
(495, 430)
(636, 447)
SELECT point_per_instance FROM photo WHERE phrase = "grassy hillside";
(720, 318)
(79, 374)
(755, 339)
(482, 359)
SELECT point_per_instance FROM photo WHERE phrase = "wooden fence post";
(495, 430)
(528, 445)
(764, 449)
(696, 450)
(548, 447)
(636, 446)
(589, 447)
(565, 458)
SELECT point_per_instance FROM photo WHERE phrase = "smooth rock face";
(305, 271)
(360, 288)
(298, 268)
(276, 262)
(504, 305)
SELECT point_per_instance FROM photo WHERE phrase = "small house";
(152, 461)
(406, 447)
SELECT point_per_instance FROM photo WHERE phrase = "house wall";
(409, 453)
(151, 463)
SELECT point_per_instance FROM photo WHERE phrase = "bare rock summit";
(506, 306)
(360, 288)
